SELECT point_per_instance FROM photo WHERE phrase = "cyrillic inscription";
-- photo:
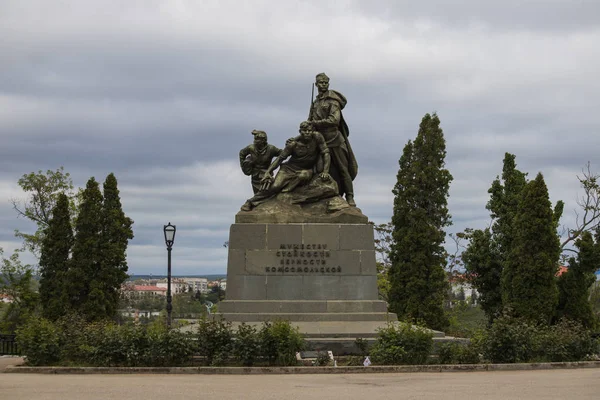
(304, 259)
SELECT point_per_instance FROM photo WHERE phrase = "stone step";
(306, 306)
(310, 317)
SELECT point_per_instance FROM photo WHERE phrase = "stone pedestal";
(320, 276)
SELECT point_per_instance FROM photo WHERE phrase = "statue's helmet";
(306, 126)
(322, 76)
(259, 134)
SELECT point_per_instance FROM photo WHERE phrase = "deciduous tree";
(16, 281)
(44, 190)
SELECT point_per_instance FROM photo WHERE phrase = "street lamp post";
(169, 231)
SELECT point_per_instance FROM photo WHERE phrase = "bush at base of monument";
(459, 353)
(276, 343)
(71, 341)
(280, 342)
(403, 344)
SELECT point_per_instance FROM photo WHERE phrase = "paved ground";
(555, 384)
(5, 361)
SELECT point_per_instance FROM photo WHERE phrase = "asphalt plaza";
(536, 384)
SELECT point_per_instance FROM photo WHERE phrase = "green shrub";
(114, 345)
(566, 341)
(279, 342)
(363, 347)
(458, 353)
(511, 340)
(215, 340)
(402, 344)
(354, 361)
(74, 345)
(167, 347)
(246, 345)
(39, 341)
(322, 359)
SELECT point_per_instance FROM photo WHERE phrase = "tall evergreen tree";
(503, 204)
(482, 262)
(487, 252)
(528, 283)
(418, 283)
(85, 295)
(54, 260)
(116, 232)
(574, 285)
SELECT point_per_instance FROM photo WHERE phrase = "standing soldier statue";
(256, 158)
(326, 118)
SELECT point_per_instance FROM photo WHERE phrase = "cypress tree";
(574, 285)
(116, 232)
(86, 294)
(482, 262)
(487, 252)
(418, 283)
(528, 284)
(54, 260)
(503, 204)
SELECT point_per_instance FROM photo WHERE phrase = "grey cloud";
(542, 15)
(165, 96)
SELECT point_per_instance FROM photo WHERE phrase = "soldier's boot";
(350, 200)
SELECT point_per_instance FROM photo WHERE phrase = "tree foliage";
(16, 281)
(54, 260)
(418, 283)
(383, 244)
(575, 284)
(482, 262)
(44, 190)
(528, 284)
(85, 291)
(98, 266)
(115, 235)
(488, 250)
(503, 204)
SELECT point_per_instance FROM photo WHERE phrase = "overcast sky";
(164, 94)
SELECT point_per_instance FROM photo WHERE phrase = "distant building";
(136, 291)
(561, 270)
(178, 285)
(4, 298)
(222, 283)
(139, 313)
(197, 284)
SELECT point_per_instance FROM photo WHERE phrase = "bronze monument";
(256, 158)
(326, 117)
